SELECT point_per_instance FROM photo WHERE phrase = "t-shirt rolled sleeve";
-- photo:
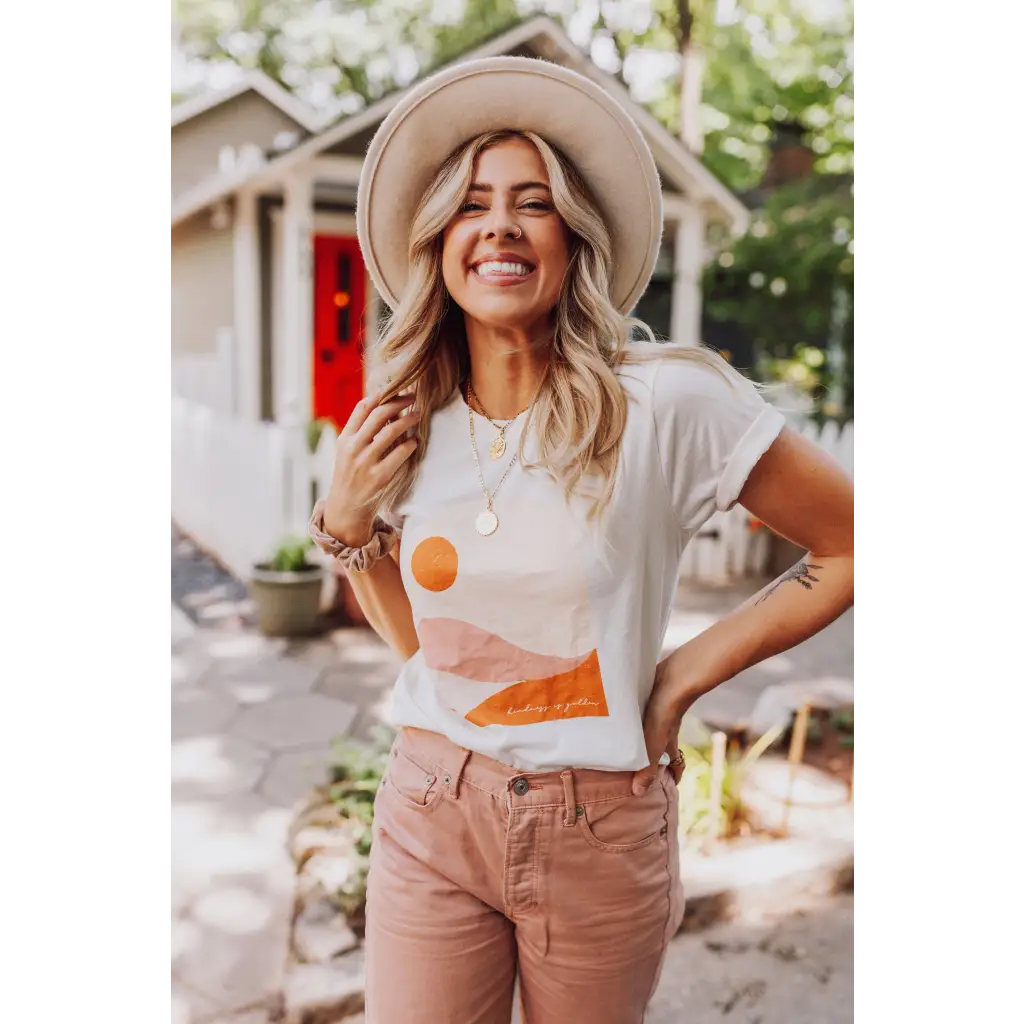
(712, 428)
(754, 443)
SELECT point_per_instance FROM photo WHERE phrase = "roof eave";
(683, 167)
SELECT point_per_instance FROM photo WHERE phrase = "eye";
(470, 207)
(536, 204)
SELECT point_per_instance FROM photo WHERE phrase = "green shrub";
(290, 555)
(354, 777)
(697, 816)
(314, 431)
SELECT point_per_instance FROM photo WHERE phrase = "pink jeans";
(478, 871)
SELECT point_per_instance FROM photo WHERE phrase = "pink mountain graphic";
(544, 687)
(462, 649)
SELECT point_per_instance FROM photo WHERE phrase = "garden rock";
(316, 839)
(777, 705)
(819, 803)
(324, 993)
(332, 870)
(320, 933)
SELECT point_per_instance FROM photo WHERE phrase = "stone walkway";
(252, 721)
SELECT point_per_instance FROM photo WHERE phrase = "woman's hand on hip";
(663, 717)
(369, 451)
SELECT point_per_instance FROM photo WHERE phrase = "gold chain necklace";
(498, 444)
(487, 521)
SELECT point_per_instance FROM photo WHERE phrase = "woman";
(545, 474)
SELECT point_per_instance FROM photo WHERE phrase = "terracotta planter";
(287, 603)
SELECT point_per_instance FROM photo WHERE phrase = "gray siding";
(196, 144)
(202, 284)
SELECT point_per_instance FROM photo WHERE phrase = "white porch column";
(246, 306)
(691, 232)
(297, 299)
(691, 131)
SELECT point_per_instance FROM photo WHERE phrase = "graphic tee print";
(504, 621)
(539, 643)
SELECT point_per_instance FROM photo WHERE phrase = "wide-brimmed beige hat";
(567, 110)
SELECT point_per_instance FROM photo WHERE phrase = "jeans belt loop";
(456, 776)
(570, 798)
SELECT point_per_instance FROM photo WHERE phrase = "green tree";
(789, 284)
(337, 56)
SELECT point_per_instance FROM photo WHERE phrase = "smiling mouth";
(500, 272)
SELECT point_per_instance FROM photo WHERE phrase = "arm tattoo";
(801, 572)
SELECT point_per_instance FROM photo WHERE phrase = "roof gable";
(262, 85)
(540, 37)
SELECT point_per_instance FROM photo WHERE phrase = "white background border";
(84, 410)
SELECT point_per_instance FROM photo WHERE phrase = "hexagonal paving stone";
(243, 1017)
(233, 951)
(376, 718)
(293, 774)
(203, 766)
(182, 627)
(256, 681)
(322, 653)
(199, 713)
(189, 662)
(241, 836)
(188, 1005)
(246, 645)
(357, 683)
(288, 722)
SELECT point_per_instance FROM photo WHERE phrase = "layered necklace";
(498, 444)
(487, 521)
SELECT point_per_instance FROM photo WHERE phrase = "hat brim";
(566, 109)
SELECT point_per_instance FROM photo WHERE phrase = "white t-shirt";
(538, 643)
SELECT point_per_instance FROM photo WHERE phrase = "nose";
(503, 229)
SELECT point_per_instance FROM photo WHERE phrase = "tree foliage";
(788, 283)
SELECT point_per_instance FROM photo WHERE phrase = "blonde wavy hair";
(579, 413)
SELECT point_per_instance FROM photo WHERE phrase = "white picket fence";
(207, 378)
(238, 487)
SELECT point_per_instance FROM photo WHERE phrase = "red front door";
(339, 306)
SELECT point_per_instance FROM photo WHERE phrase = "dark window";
(344, 299)
(655, 305)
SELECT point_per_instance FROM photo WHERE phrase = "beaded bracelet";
(352, 559)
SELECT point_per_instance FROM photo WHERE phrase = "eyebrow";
(523, 186)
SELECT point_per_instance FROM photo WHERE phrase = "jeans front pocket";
(631, 823)
(410, 781)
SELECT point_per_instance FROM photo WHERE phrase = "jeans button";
(520, 787)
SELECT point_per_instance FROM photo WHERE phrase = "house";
(271, 303)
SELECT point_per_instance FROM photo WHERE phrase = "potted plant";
(287, 590)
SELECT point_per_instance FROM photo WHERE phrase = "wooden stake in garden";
(796, 756)
(718, 744)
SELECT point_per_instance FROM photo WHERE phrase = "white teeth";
(494, 267)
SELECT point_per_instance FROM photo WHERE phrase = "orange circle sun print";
(435, 564)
